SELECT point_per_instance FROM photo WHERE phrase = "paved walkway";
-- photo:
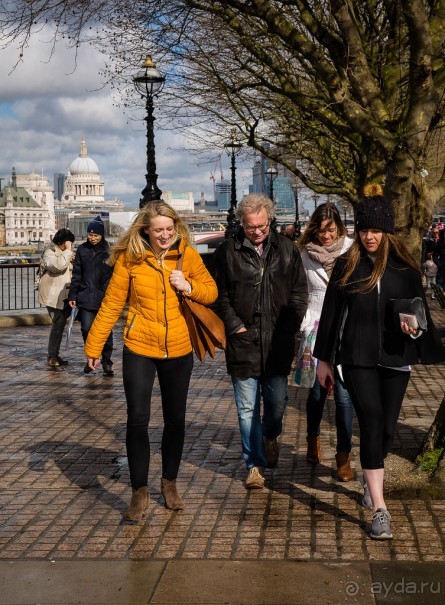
(64, 485)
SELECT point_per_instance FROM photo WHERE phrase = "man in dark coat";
(90, 279)
(262, 300)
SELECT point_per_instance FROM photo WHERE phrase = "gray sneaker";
(381, 525)
(366, 500)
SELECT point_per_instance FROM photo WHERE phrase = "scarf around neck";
(326, 255)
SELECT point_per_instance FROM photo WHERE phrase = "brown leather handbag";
(206, 329)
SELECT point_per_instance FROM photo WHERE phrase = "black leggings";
(377, 394)
(174, 379)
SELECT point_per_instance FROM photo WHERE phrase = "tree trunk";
(409, 195)
(436, 433)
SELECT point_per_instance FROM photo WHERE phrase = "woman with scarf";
(324, 239)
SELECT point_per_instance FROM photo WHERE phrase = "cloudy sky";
(45, 104)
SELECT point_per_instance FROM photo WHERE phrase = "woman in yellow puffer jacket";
(156, 339)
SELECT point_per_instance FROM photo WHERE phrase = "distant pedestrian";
(430, 271)
(90, 279)
(262, 298)
(56, 265)
(359, 330)
(291, 232)
(156, 339)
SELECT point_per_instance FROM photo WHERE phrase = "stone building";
(23, 218)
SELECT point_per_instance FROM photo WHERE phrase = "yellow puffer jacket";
(155, 325)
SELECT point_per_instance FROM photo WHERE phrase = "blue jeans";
(86, 321)
(248, 392)
(344, 412)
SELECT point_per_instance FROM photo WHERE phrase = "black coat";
(267, 295)
(91, 275)
(371, 336)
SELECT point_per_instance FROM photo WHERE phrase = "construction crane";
(213, 172)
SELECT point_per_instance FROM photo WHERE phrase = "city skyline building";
(223, 194)
(284, 197)
(59, 184)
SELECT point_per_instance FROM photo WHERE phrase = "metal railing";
(17, 287)
(17, 284)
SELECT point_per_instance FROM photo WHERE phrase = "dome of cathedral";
(82, 165)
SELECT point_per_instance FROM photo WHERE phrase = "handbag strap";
(180, 262)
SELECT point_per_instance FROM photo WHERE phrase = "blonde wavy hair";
(134, 245)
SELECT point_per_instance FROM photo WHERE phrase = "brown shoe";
(53, 361)
(272, 451)
(313, 455)
(138, 505)
(172, 499)
(344, 470)
(255, 478)
(62, 362)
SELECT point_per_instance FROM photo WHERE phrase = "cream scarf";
(326, 255)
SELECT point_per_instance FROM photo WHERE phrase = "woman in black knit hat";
(359, 331)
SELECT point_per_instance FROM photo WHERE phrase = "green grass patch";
(429, 461)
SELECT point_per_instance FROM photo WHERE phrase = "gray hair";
(253, 203)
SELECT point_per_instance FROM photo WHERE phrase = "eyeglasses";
(252, 229)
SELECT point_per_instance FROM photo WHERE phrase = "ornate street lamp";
(345, 205)
(149, 83)
(271, 174)
(233, 147)
(297, 226)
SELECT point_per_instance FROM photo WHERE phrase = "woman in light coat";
(323, 241)
(54, 284)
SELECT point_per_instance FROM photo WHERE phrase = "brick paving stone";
(64, 480)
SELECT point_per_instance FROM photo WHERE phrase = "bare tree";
(340, 92)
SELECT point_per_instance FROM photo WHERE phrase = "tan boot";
(344, 470)
(313, 455)
(138, 505)
(171, 497)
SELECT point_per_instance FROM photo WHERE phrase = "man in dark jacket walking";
(262, 300)
(90, 279)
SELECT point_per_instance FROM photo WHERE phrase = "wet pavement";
(64, 486)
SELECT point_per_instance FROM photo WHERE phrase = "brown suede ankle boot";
(138, 505)
(313, 455)
(171, 497)
(344, 470)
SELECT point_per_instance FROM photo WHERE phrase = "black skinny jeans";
(377, 394)
(174, 379)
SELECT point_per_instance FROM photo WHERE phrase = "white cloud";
(47, 101)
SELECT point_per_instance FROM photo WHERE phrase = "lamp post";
(233, 147)
(271, 174)
(344, 205)
(297, 231)
(149, 83)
